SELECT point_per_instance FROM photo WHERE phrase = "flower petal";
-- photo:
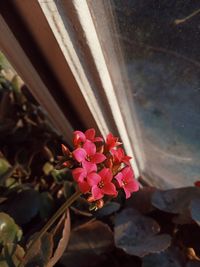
(96, 192)
(98, 158)
(79, 137)
(127, 192)
(79, 174)
(90, 134)
(89, 166)
(89, 147)
(119, 178)
(98, 139)
(132, 186)
(84, 187)
(127, 173)
(93, 179)
(112, 141)
(79, 154)
(109, 189)
(126, 160)
(106, 175)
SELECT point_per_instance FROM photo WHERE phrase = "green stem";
(52, 220)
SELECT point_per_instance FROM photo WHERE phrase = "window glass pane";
(160, 45)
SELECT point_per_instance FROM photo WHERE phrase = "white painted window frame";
(113, 113)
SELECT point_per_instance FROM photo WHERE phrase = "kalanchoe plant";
(100, 168)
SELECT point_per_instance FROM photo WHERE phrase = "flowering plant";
(100, 168)
(152, 228)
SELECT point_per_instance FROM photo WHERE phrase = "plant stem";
(52, 220)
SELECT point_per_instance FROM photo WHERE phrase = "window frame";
(100, 99)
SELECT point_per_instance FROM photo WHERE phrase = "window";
(131, 67)
(157, 47)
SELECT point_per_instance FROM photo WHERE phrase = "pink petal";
(90, 134)
(78, 174)
(127, 192)
(129, 177)
(98, 158)
(112, 141)
(119, 178)
(89, 147)
(89, 166)
(109, 189)
(132, 186)
(84, 187)
(78, 137)
(96, 192)
(79, 154)
(106, 175)
(98, 139)
(127, 172)
(126, 160)
(93, 179)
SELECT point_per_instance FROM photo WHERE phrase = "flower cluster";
(99, 167)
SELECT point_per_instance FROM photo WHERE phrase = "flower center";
(101, 184)
(124, 183)
(88, 158)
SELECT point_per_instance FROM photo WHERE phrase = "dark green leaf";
(141, 200)
(195, 210)
(46, 205)
(175, 200)
(23, 207)
(137, 234)
(11, 255)
(193, 264)
(4, 165)
(47, 168)
(4, 168)
(86, 245)
(107, 209)
(9, 230)
(169, 258)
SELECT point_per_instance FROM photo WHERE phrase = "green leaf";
(11, 255)
(47, 168)
(137, 234)
(4, 166)
(9, 230)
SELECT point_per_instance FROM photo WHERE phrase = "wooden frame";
(79, 64)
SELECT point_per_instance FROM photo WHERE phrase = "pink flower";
(88, 153)
(80, 175)
(111, 142)
(90, 135)
(101, 184)
(197, 183)
(119, 156)
(126, 181)
(80, 137)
